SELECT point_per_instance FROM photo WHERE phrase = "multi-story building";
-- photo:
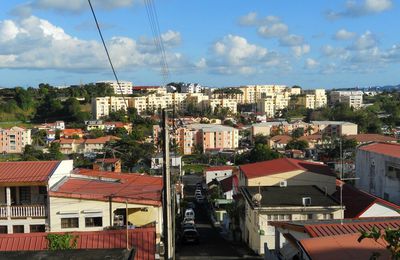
(313, 99)
(264, 204)
(84, 146)
(124, 87)
(102, 106)
(231, 104)
(378, 170)
(216, 137)
(334, 128)
(24, 188)
(191, 88)
(266, 106)
(14, 139)
(353, 98)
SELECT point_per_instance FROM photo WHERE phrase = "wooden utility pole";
(167, 207)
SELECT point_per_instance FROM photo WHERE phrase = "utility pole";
(167, 207)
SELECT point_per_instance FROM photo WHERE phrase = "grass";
(9, 157)
(10, 124)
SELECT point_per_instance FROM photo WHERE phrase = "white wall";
(379, 210)
(64, 169)
(219, 175)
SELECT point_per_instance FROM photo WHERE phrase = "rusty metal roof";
(142, 239)
(32, 171)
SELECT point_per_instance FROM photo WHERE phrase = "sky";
(313, 43)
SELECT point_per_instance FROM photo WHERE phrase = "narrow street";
(212, 245)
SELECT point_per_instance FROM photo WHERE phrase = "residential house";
(14, 139)
(264, 204)
(24, 197)
(218, 173)
(107, 164)
(288, 172)
(268, 128)
(85, 146)
(296, 231)
(279, 142)
(176, 163)
(360, 204)
(72, 133)
(89, 200)
(378, 170)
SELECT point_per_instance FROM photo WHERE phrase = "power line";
(108, 55)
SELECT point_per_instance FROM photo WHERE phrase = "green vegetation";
(194, 168)
(297, 145)
(390, 236)
(47, 103)
(62, 241)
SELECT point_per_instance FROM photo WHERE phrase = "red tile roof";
(357, 201)
(344, 247)
(309, 138)
(334, 227)
(134, 188)
(365, 138)
(101, 140)
(142, 239)
(281, 165)
(219, 168)
(35, 171)
(389, 149)
(72, 131)
(281, 139)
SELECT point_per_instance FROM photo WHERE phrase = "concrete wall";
(372, 171)
(63, 169)
(379, 210)
(219, 175)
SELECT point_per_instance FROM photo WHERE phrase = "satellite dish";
(257, 198)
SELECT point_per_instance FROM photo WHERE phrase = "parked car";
(191, 205)
(190, 236)
(188, 226)
(188, 221)
(189, 213)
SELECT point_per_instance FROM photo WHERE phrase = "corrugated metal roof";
(389, 149)
(142, 239)
(134, 188)
(281, 165)
(344, 247)
(32, 171)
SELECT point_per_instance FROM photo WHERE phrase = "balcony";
(23, 211)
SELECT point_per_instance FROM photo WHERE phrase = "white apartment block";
(266, 106)
(353, 98)
(313, 99)
(192, 88)
(231, 104)
(102, 106)
(125, 87)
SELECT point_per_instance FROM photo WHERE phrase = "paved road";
(212, 245)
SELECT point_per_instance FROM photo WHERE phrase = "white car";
(189, 213)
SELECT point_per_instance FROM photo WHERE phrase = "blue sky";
(314, 43)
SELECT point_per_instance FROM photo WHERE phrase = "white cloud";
(365, 41)
(70, 6)
(311, 63)
(273, 30)
(343, 34)
(249, 19)
(291, 40)
(235, 55)
(171, 38)
(37, 44)
(237, 50)
(366, 7)
(300, 50)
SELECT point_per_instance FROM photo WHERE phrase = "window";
(18, 229)
(3, 230)
(94, 222)
(37, 228)
(25, 195)
(309, 216)
(69, 222)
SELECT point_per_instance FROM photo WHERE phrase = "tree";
(31, 154)
(260, 139)
(262, 152)
(297, 145)
(54, 152)
(390, 236)
(298, 132)
(96, 133)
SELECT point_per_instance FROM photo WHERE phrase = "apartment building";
(378, 170)
(84, 146)
(124, 87)
(14, 139)
(216, 137)
(231, 104)
(353, 98)
(334, 128)
(102, 106)
(191, 88)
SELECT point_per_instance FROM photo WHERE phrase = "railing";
(23, 211)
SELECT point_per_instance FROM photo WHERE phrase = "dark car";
(190, 236)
